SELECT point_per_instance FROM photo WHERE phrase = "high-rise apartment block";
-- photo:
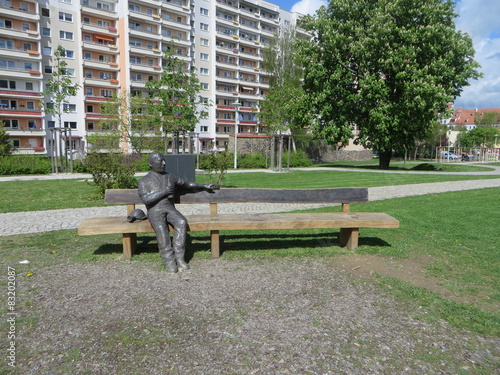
(112, 46)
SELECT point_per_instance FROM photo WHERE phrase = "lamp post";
(236, 125)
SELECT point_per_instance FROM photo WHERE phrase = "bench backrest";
(241, 195)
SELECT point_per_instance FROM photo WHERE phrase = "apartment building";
(111, 46)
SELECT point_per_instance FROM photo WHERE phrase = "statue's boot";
(169, 260)
(181, 263)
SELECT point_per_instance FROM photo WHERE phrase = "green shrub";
(252, 160)
(216, 164)
(112, 171)
(24, 165)
(298, 158)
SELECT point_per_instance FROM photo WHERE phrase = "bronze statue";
(157, 190)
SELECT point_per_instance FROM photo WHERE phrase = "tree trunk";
(384, 159)
(272, 151)
(280, 153)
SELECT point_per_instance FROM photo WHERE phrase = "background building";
(112, 46)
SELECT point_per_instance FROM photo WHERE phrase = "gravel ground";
(247, 316)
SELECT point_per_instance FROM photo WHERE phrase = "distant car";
(448, 155)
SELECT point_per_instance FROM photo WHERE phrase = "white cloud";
(308, 6)
(479, 18)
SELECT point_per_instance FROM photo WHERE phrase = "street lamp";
(237, 123)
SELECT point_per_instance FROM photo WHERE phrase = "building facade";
(117, 46)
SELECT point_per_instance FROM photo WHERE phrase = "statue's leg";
(179, 222)
(159, 224)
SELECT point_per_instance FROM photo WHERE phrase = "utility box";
(182, 165)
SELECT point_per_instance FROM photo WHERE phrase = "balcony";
(93, 27)
(20, 34)
(20, 112)
(100, 47)
(20, 54)
(20, 13)
(154, 52)
(100, 82)
(100, 12)
(20, 94)
(175, 8)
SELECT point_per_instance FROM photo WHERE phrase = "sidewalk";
(43, 221)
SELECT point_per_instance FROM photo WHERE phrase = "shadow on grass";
(246, 242)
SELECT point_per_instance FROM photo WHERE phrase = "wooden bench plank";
(239, 195)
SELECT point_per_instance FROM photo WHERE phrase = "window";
(26, 46)
(204, 11)
(16, 143)
(4, 84)
(65, 1)
(104, 75)
(70, 72)
(204, 42)
(70, 124)
(204, 86)
(14, 124)
(89, 91)
(204, 129)
(88, 74)
(106, 93)
(25, 26)
(90, 126)
(5, 24)
(51, 124)
(47, 51)
(47, 69)
(87, 56)
(104, 58)
(45, 12)
(204, 71)
(135, 77)
(134, 43)
(30, 105)
(103, 6)
(32, 124)
(134, 25)
(29, 86)
(101, 23)
(69, 107)
(90, 108)
(69, 54)
(204, 56)
(86, 38)
(65, 17)
(66, 35)
(135, 60)
(28, 66)
(203, 26)
(134, 8)
(9, 44)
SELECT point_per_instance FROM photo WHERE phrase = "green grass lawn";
(38, 195)
(456, 231)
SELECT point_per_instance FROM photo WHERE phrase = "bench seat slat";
(109, 225)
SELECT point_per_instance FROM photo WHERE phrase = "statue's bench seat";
(348, 222)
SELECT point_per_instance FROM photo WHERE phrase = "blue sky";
(478, 18)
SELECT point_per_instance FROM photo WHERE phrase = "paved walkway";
(42, 221)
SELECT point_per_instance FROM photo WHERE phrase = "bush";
(252, 160)
(216, 165)
(112, 171)
(24, 165)
(298, 159)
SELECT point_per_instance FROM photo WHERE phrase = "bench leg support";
(349, 238)
(129, 244)
(215, 244)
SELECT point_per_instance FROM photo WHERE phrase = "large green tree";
(175, 102)
(385, 67)
(480, 137)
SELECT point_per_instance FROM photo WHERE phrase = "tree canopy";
(482, 136)
(385, 68)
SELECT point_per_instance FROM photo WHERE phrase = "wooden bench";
(348, 222)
